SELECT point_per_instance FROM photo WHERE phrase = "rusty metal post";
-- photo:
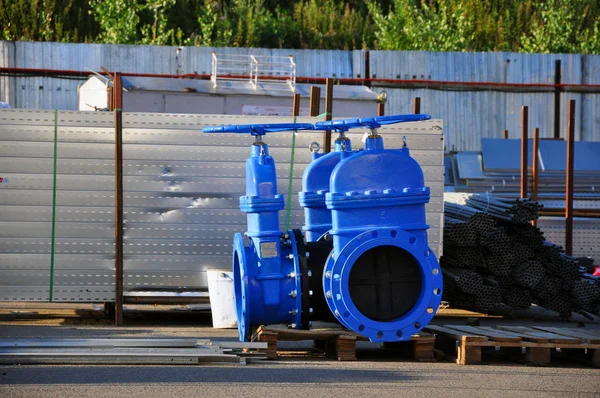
(315, 101)
(569, 188)
(417, 105)
(534, 164)
(381, 109)
(505, 134)
(524, 150)
(328, 113)
(557, 80)
(118, 104)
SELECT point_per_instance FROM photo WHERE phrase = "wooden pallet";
(539, 342)
(341, 343)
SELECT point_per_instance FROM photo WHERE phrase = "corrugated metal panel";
(180, 200)
(468, 116)
(7, 84)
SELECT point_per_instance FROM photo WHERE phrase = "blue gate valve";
(381, 279)
(267, 271)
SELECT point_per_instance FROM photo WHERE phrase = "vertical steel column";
(381, 109)
(534, 164)
(557, 80)
(328, 114)
(315, 101)
(417, 105)
(524, 150)
(505, 134)
(569, 188)
(118, 104)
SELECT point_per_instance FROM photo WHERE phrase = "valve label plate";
(268, 249)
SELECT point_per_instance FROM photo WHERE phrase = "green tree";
(564, 26)
(118, 20)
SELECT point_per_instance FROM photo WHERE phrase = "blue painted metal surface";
(377, 200)
(266, 270)
(315, 184)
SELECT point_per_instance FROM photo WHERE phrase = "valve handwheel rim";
(340, 301)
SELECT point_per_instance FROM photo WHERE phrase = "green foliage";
(118, 20)
(564, 26)
(433, 25)
(46, 20)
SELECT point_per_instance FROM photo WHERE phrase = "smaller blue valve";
(268, 271)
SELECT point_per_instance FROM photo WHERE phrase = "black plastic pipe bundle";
(495, 258)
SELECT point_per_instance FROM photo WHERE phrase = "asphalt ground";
(377, 372)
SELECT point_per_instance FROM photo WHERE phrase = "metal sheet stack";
(495, 258)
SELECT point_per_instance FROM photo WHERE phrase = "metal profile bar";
(569, 177)
(97, 343)
(118, 92)
(534, 164)
(557, 79)
(417, 106)
(315, 101)
(328, 113)
(524, 142)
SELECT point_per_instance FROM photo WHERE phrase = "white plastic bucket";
(222, 302)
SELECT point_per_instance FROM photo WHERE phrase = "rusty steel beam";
(524, 149)
(534, 164)
(328, 114)
(570, 167)
(315, 101)
(118, 110)
(417, 105)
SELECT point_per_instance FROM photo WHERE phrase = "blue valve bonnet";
(315, 184)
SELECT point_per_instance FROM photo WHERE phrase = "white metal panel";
(181, 197)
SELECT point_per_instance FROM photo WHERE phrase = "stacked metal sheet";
(144, 351)
(494, 258)
(181, 190)
(497, 168)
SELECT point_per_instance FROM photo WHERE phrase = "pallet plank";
(539, 336)
(493, 334)
(587, 336)
(456, 334)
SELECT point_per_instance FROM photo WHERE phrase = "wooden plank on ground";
(539, 336)
(493, 334)
(587, 336)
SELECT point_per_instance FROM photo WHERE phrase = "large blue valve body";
(382, 279)
(315, 184)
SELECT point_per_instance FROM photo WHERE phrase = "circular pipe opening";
(385, 283)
